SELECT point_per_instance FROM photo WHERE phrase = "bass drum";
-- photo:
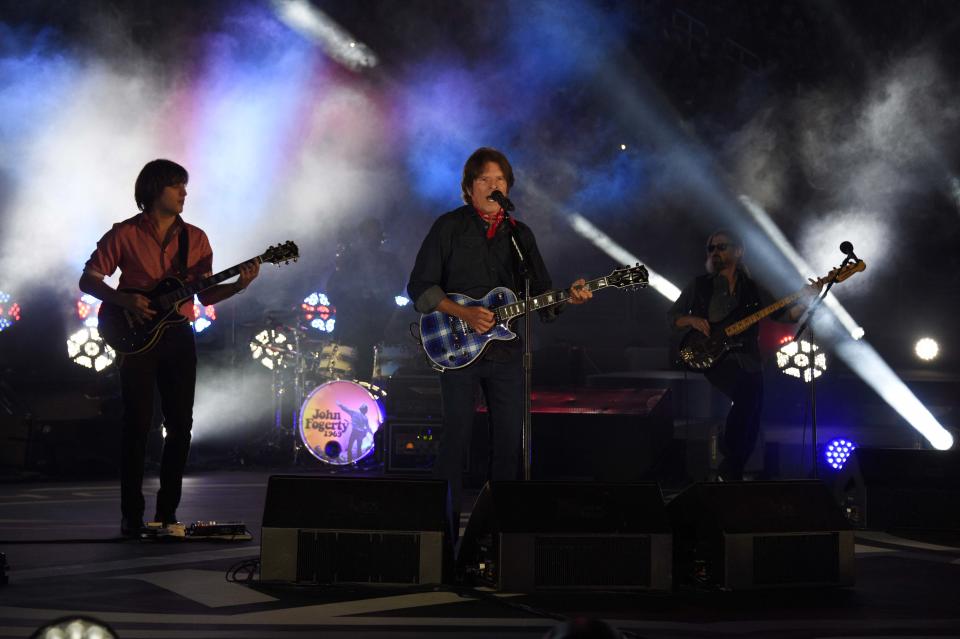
(338, 421)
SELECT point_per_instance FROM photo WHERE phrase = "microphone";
(847, 249)
(502, 200)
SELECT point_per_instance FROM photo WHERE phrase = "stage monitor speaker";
(900, 488)
(353, 530)
(541, 535)
(764, 534)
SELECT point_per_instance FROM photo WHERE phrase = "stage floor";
(61, 543)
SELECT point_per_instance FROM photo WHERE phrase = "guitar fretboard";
(187, 292)
(545, 300)
(748, 321)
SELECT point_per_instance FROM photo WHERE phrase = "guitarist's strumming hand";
(478, 318)
(694, 322)
(137, 304)
(579, 292)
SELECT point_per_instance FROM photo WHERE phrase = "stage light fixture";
(318, 313)
(203, 316)
(271, 348)
(75, 627)
(802, 360)
(86, 348)
(927, 349)
(9, 311)
(87, 309)
(401, 300)
(316, 25)
(837, 452)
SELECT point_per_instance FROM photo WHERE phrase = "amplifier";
(412, 446)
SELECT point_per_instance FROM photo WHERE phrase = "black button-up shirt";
(457, 257)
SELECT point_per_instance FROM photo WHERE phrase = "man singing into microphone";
(469, 251)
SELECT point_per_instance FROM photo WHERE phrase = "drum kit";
(335, 416)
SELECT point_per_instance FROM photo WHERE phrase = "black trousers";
(170, 367)
(502, 385)
(745, 390)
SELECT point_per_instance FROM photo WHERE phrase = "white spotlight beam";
(860, 356)
(304, 18)
(776, 236)
(603, 242)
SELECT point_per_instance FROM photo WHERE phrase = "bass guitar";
(450, 343)
(128, 334)
(699, 352)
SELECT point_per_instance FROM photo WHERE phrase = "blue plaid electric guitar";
(450, 343)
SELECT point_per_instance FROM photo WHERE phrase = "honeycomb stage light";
(9, 311)
(86, 348)
(927, 349)
(271, 348)
(318, 313)
(802, 360)
(75, 627)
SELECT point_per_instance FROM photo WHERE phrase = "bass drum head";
(338, 421)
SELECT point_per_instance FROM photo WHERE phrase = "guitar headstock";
(282, 253)
(839, 275)
(629, 277)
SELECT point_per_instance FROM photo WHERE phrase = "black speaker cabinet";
(891, 488)
(353, 530)
(764, 534)
(541, 536)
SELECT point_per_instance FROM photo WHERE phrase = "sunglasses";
(722, 246)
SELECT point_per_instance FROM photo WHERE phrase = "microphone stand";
(813, 369)
(527, 436)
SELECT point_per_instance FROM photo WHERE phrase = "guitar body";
(125, 334)
(450, 343)
(699, 352)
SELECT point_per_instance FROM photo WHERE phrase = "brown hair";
(474, 166)
(155, 176)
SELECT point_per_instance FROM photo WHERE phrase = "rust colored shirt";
(144, 258)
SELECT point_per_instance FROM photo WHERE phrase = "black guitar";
(699, 352)
(128, 334)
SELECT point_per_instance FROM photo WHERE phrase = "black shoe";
(131, 527)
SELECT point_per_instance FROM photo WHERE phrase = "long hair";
(155, 176)
(474, 166)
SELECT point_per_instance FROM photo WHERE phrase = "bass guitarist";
(468, 251)
(148, 247)
(728, 291)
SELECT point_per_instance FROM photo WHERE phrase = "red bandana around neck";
(493, 221)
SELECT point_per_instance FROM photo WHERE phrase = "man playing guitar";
(727, 291)
(469, 251)
(148, 247)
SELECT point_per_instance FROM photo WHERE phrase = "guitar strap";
(183, 246)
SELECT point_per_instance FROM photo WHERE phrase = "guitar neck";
(544, 300)
(188, 291)
(748, 321)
